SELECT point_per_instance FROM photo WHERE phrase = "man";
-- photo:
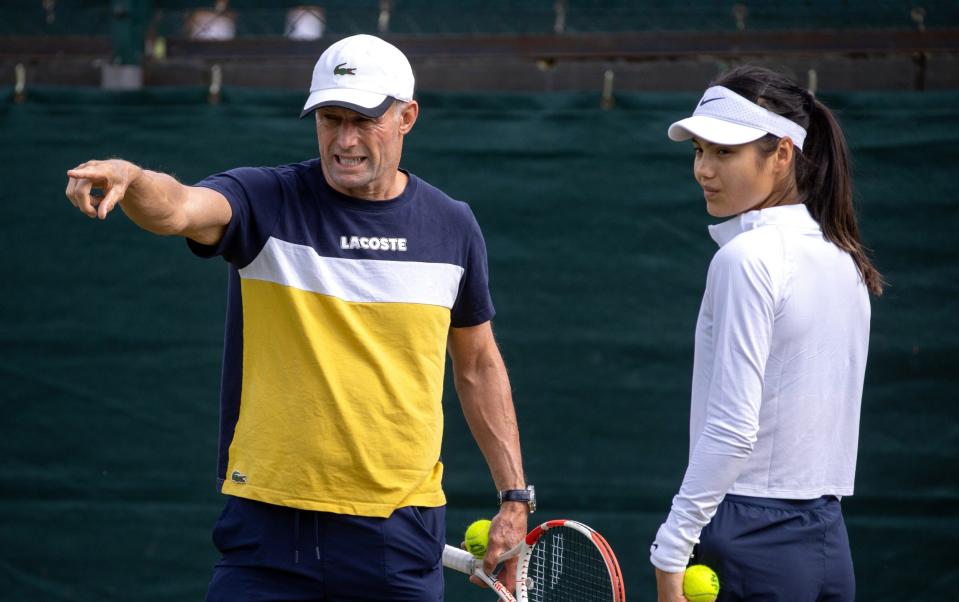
(350, 279)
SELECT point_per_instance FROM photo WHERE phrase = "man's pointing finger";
(86, 173)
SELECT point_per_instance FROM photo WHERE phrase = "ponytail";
(823, 176)
(823, 173)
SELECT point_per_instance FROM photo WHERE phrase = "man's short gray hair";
(398, 107)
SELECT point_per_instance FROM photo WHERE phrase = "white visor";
(724, 117)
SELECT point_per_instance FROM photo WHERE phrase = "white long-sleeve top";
(780, 358)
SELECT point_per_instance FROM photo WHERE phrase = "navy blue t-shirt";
(338, 314)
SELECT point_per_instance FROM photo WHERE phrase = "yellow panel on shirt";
(342, 377)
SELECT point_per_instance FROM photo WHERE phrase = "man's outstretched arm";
(155, 201)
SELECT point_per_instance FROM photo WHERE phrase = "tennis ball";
(700, 584)
(477, 537)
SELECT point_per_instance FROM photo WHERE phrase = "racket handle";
(464, 562)
(459, 560)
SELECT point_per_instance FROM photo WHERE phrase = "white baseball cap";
(362, 73)
(724, 117)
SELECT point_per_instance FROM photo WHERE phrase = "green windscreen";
(112, 337)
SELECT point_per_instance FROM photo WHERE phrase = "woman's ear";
(784, 153)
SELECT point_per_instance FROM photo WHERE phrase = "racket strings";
(566, 566)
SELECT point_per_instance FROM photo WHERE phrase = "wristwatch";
(527, 495)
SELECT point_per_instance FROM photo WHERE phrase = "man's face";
(361, 155)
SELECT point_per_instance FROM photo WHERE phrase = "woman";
(781, 346)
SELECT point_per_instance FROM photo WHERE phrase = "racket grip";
(459, 560)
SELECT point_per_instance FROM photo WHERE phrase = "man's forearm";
(487, 401)
(156, 202)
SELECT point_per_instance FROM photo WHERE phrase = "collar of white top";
(793, 216)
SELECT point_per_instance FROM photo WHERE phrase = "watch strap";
(515, 495)
(526, 496)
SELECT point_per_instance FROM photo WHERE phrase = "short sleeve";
(256, 198)
(473, 304)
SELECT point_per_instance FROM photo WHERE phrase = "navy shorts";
(274, 553)
(783, 550)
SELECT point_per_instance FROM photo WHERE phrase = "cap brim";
(369, 104)
(713, 130)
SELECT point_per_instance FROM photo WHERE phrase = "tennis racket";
(559, 561)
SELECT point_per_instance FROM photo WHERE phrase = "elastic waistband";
(783, 504)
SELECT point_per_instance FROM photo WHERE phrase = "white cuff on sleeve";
(669, 552)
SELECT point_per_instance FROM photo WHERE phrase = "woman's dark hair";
(822, 168)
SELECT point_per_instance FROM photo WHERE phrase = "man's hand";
(112, 177)
(155, 201)
(669, 587)
(508, 528)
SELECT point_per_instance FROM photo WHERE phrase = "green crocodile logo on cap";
(339, 70)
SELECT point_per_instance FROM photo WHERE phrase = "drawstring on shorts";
(296, 535)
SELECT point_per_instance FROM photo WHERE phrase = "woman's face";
(735, 179)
